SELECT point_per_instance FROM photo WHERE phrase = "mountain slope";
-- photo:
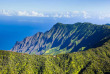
(63, 38)
(107, 24)
(92, 61)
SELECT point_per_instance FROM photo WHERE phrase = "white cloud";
(72, 14)
(38, 14)
(6, 13)
(75, 12)
(22, 13)
(86, 15)
(56, 15)
(104, 15)
(32, 13)
(67, 15)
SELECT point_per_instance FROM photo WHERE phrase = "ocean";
(14, 28)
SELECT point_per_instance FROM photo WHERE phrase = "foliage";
(92, 61)
(64, 38)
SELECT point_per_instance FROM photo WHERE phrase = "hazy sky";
(56, 8)
(56, 5)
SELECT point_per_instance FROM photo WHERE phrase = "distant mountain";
(63, 38)
(92, 61)
(107, 24)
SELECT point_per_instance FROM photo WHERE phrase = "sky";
(56, 5)
(56, 8)
(22, 18)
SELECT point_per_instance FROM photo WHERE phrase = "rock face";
(63, 38)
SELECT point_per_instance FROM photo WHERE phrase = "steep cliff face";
(63, 38)
(30, 44)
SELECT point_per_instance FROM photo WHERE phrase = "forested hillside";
(91, 61)
(63, 38)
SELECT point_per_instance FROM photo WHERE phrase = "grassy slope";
(96, 60)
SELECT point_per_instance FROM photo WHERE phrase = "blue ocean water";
(14, 28)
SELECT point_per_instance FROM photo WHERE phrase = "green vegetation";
(63, 38)
(87, 48)
(92, 61)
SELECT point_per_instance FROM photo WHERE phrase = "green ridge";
(63, 38)
(92, 61)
